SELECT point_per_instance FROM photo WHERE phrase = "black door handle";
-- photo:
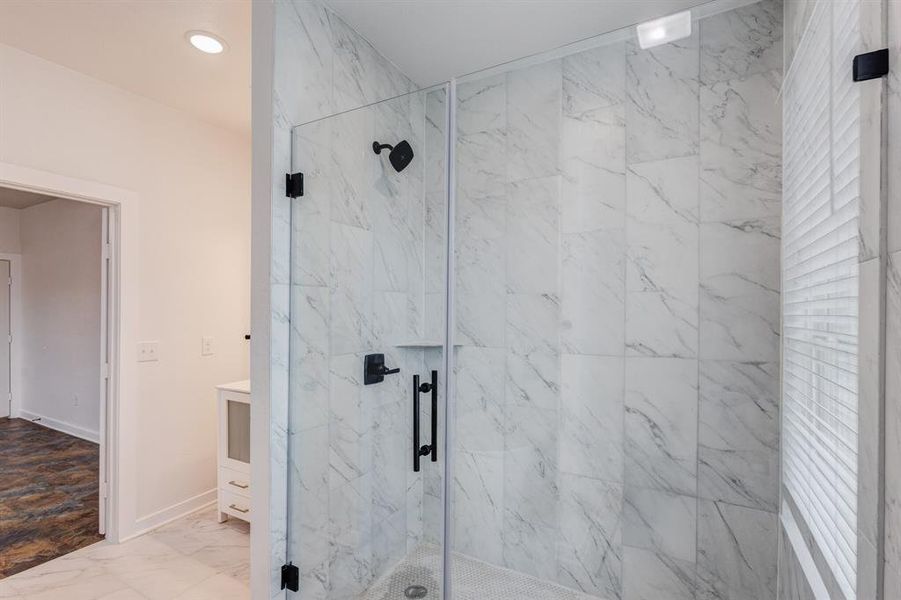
(427, 449)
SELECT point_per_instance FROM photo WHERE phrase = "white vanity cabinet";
(234, 450)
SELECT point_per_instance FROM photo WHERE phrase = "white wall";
(192, 247)
(9, 230)
(60, 337)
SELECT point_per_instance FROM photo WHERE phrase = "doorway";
(54, 370)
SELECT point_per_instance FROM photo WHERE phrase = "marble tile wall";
(617, 247)
(347, 281)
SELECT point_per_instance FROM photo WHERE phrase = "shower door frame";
(447, 449)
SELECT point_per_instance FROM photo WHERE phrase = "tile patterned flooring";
(193, 558)
(48, 496)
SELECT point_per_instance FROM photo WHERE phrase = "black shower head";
(400, 156)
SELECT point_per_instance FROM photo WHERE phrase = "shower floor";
(471, 579)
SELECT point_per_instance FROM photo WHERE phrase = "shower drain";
(416, 591)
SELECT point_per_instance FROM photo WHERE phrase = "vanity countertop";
(241, 387)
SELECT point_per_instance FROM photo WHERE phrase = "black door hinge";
(871, 65)
(290, 577)
(294, 185)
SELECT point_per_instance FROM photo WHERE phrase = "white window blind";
(821, 152)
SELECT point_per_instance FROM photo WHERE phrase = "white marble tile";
(594, 78)
(661, 522)
(663, 257)
(736, 552)
(217, 587)
(153, 568)
(530, 467)
(435, 241)
(350, 423)
(661, 110)
(390, 449)
(361, 75)
(481, 164)
(302, 36)
(532, 323)
(660, 325)
(592, 166)
(312, 153)
(309, 373)
(350, 293)
(482, 105)
(480, 279)
(742, 42)
(740, 283)
(589, 549)
(664, 191)
(528, 548)
(534, 101)
(435, 136)
(591, 417)
(480, 420)
(651, 576)
(394, 242)
(389, 543)
(741, 148)
(478, 505)
(533, 213)
(661, 424)
(592, 293)
(309, 525)
(738, 437)
(354, 172)
(533, 379)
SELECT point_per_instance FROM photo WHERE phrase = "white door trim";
(118, 443)
(15, 320)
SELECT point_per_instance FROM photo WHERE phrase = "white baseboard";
(156, 520)
(69, 428)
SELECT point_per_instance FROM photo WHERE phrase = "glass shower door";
(367, 321)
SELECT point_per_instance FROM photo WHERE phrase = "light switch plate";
(148, 351)
(206, 346)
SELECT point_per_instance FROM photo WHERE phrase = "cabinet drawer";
(234, 505)
(234, 481)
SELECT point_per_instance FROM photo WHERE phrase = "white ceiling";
(434, 40)
(10, 198)
(139, 45)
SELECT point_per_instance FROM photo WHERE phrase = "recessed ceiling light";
(664, 30)
(205, 42)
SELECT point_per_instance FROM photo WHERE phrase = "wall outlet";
(148, 351)
(75, 399)
(206, 346)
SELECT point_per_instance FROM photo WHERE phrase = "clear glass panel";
(239, 431)
(368, 277)
(617, 316)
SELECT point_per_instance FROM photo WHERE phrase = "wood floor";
(48, 494)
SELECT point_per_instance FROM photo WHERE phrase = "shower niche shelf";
(419, 344)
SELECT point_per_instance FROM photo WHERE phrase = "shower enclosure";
(576, 276)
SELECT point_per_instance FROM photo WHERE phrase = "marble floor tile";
(193, 558)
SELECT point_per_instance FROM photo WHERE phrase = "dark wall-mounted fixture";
(400, 155)
(374, 369)
(870, 65)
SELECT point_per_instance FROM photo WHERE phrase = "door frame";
(117, 476)
(15, 320)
